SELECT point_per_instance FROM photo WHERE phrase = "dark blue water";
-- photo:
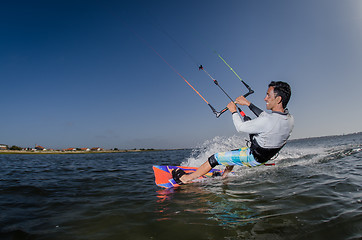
(313, 192)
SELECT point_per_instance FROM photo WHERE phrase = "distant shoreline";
(81, 152)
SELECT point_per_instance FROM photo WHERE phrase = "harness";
(261, 154)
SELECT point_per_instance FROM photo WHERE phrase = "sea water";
(314, 191)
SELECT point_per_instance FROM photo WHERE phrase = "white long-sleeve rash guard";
(271, 129)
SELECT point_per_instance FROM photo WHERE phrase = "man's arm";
(254, 126)
(257, 111)
(243, 101)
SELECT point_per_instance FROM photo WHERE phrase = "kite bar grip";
(246, 118)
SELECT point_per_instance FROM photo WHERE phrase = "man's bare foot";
(177, 175)
(227, 170)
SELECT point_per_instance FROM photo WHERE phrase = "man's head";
(278, 94)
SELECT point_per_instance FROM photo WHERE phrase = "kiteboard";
(163, 175)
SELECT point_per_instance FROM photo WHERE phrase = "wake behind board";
(163, 175)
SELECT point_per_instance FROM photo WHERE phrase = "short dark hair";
(283, 90)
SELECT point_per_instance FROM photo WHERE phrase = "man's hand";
(242, 101)
(232, 107)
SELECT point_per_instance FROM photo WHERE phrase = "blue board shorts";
(242, 157)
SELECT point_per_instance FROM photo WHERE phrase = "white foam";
(218, 144)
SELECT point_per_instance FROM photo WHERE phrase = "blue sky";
(75, 74)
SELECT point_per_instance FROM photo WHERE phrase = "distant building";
(3, 147)
(85, 149)
(96, 149)
(39, 148)
(70, 149)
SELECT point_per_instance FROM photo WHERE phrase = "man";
(268, 134)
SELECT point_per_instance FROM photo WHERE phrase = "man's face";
(270, 99)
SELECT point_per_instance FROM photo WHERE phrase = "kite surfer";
(268, 134)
